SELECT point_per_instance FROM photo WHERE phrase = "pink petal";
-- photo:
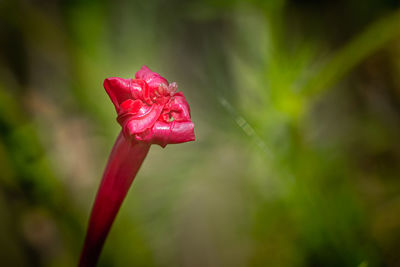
(131, 106)
(141, 90)
(145, 119)
(179, 108)
(181, 132)
(153, 79)
(164, 133)
(118, 90)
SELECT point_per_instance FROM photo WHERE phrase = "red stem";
(123, 164)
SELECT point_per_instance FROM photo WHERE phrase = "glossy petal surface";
(143, 102)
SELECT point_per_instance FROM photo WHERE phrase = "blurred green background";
(297, 112)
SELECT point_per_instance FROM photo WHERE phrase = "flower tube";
(150, 111)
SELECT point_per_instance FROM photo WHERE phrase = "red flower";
(150, 111)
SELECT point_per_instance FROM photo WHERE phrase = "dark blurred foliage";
(297, 112)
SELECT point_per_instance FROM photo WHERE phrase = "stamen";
(172, 88)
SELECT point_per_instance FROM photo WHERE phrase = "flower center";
(167, 90)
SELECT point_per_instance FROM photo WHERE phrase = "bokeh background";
(297, 112)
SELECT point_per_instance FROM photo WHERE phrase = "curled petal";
(118, 90)
(145, 119)
(179, 108)
(131, 107)
(140, 90)
(180, 132)
(165, 116)
(153, 79)
(164, 133)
